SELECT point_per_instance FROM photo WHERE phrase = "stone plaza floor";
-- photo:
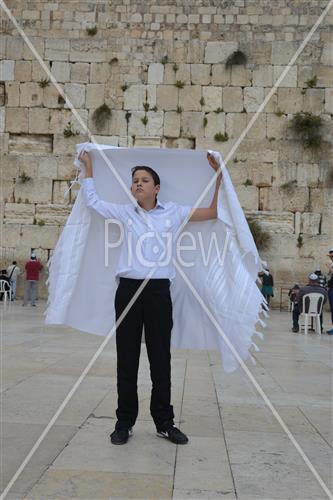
(237, 448)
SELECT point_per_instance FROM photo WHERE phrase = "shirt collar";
(158, 205)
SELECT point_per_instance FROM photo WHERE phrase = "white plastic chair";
(312, 306)
(6, 290)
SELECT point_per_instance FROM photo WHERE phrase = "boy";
(144, 225)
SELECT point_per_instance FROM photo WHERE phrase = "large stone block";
(118, 123)
(180, 72)
(290, 78)
(282, 52)
(61, 71)
(135, 125)
(275, 222)
(66, 145)
(277, 126)
(215, 124)
(189, 98)
(7, 70)
(134, 97)
(167, 97)
(30, 143)
(196, 51)
(76, 93)
(155, 73)
(17, 120)
(263, 76)
(235, 123)
(192, 124)
(14, 47)
(327, 54)
(310, 223)
(12, 92)
(95, 95)
(258, 127)
(80, 72)
(220, 75)
(39, 236)
(59, 119)
(290, 100)
(329, 100)
(2, 119)
(36, 190)
(253, 98)
(281, 199)
(147, 142)
(248, 197)
(314, 101)
(241, 76)
(154, 126)
(200, 74)
(23, 71)
(19, 213)
(99, 72)
(39, 120)
(232, 98)
(51, 97)
(60, 194)
(52, 214)
(38, 72)
(218, 52)
(324, 75)
(212, 98)
(171, 124)
(31, 94)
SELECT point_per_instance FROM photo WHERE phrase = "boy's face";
(143, 187)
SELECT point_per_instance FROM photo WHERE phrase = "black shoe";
(173, 434)
(295, 329)
(120, 436)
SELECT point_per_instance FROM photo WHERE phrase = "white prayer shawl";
(223, 299)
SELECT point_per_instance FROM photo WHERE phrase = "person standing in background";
(329, 266)
(13, 272)
(267, 285)
(33, 268)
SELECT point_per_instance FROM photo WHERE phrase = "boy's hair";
(152, 172)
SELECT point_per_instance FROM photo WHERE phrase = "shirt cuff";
(88, 182)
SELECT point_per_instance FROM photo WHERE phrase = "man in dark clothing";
(312, 287)
(33, 268)
(4, 277)
(293, 297)
(329, 266)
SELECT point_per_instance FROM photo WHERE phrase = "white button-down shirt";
(149, 235)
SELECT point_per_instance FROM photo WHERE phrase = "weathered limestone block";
(135, 125)
(7, 70)
(38, 72)
(61, 71)
(31, 94)
(52, 214)
(275, 222)
(200, 74)
(19, 213)
(257, 150)
(76, 93)
(305, 174)
(277, 126)
(147, 142)
(182, 74)
(218, 52)
(258, 129)
(11, 234)
(39, 44)
(95, 95)
(99, 72)
(30, 143)
(192, 124)
(134, 97)
(189, 98)
(212, 97)
(310, 223)
(274, 198)
(118, 123)
(196, 51)
(314, 246)
(314, 101)
(321, 200)
(39, 119)
(241, 76)
(151, 96)
(282, 52)
(14, 47)
(51, 97)
(180, 143)
(37, 190)
(59, 192)
(324, 75)
(4, 140)
(66, 145)
(2, 119)
(329, 101)
(17, 120)
(12, 91)
(289, 80)
(59, 118)
(253, 97)
(232, 98)
(88, 50)
(57, 49)
(36, 236)
(235, 123)
(167, 97)
(327, 54)
(155, 73)
(220, 75)
(154, 126)
(290, 100)
(248, 197)
(23, 71)
(263, 76)
(215, 124)
(171, 124)
(47, 166)
(80, 73)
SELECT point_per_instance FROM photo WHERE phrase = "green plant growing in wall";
(101, 115)
(124, 87)
(24, 177)
(205, 122)
(179, 110)
(218, 110)
(289, 186)
(221, 137)
(308, 129)
(248, 182)
(164, 59)
(175, 68)
(146, 106)
(144, 120)
(278, 112)
(69, 132)
(236, 58)
(44, 83)
(128, 116)
(91, 30)
(311, 82)
(41, 222)
(179, 84)
(154, 108)
(202, 101)
(261, 238)
(61, 100)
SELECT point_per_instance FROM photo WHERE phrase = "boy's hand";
(215, 165)
(85, 158)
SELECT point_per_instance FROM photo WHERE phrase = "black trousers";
(153, 310)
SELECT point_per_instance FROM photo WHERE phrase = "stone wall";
(161, 69)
